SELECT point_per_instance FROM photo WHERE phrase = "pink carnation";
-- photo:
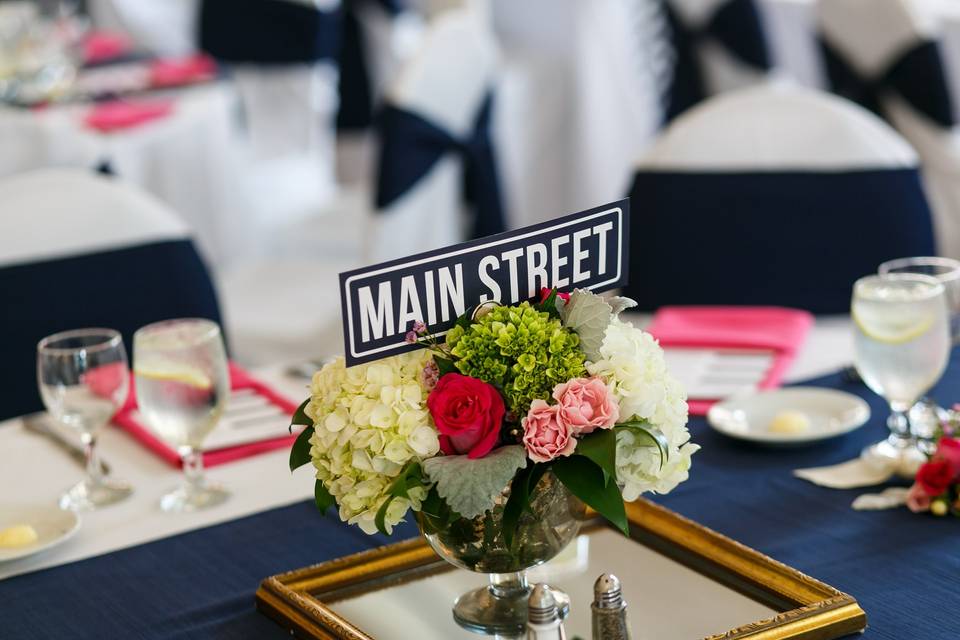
(544, 437)
(585, 404)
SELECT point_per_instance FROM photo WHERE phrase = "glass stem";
(899, 426)
(192, 467)
(94, 470)
(508, 585)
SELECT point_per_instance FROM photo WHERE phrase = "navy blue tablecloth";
(903, 568)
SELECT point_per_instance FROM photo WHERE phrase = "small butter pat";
(790, 422)
(19, 535)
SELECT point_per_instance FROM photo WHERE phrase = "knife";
(38, 425)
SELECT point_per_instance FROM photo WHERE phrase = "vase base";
(480, 611)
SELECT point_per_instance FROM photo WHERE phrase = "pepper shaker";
(609, 611)
(543, 615)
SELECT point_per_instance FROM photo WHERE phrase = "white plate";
(831, 413)
(52, 524)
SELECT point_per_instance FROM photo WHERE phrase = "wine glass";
(180, 372)
(902, 344)
(83, 380)
(946, 270)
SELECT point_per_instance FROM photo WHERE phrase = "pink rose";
(468, 414)
(935, 477)
(585, 404)
(918, 500)
(544, 436)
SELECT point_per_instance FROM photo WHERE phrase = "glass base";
(93, 494)
(193, 497)
(482, 611)
(900, 455)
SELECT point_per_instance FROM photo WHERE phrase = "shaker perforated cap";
(542, 606)
(606, 592)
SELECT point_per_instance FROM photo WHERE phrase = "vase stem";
(508, 585)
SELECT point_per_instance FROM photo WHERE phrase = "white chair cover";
(52, 213)
(871, 34)
(445, 82)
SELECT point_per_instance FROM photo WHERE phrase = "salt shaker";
(609, 620)
(543, 615)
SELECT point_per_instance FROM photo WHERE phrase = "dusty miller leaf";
(471, 487)
(589, 315)
(619, 304)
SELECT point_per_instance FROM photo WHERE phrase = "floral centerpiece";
(936, 487)
(496, 434)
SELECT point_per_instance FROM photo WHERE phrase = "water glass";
(946, 270)
(902, 344)
(180, 372)
(83, 381)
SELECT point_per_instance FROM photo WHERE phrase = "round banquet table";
(132, 572)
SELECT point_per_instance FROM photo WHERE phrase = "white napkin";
(887, 499)
(847, 475)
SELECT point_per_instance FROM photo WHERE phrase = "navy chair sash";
(736, 25)
(268, 31)
(121, 288)
(411, 145)
(356, 94)
(797, 239)
(917, 76)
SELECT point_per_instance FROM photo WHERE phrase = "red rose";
(949, 450)
(468, 413)
(934, 477)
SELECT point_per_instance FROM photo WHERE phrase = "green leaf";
(601, 447)
(300, 452)
(521, 488)
(589, 315)
(411, 476)
(471, 487)
(445, 366)
(300, 416)
(584, 479)
(645, 431)
(322, 497)
(549, 304)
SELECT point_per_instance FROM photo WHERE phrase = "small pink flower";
(411, 337)
(918, 500)
(544, 437)
(430, 375)
(585, 404)
(419, 328)
(545, 293)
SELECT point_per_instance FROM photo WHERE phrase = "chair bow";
(268, 31)
(736, 25)
(917, 76)
(411, 145)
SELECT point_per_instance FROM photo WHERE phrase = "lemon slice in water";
(187, 377)
(891, 328)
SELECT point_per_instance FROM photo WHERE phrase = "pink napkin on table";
(776, 329)
(100, 46)
(122, 114)
(239, 379)
(174, 72)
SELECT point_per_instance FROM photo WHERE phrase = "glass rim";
(112, 338)
(212, 329)
(937, 288)
(923, 261)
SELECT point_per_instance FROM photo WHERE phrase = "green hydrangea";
(523, 351)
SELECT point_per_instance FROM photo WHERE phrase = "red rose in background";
(468, 414)
(935, 477)
(948, 449)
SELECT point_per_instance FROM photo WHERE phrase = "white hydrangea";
(369, 421)
(632, 364)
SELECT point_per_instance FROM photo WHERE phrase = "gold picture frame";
(809, 609)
